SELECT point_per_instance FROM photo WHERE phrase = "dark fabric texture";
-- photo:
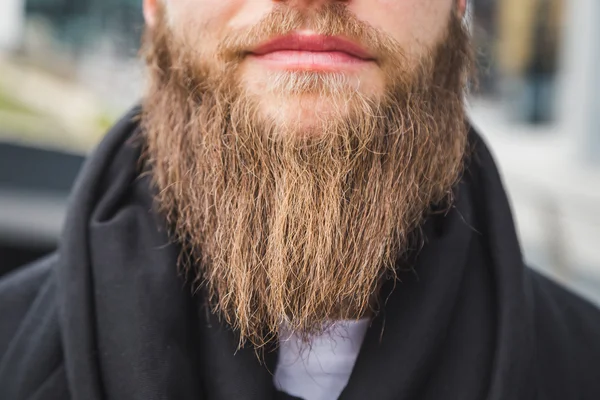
(109, 317)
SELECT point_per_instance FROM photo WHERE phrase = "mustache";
(332, 19)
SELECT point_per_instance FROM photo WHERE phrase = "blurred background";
(68, 69)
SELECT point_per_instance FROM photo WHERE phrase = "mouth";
(306, 51)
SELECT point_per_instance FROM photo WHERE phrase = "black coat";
(108, 317)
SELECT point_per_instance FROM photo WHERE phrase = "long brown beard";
(282, 226)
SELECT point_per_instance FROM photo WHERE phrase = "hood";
(132, 329)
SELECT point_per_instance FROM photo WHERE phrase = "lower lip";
(310, 60)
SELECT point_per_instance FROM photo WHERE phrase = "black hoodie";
(108, 316)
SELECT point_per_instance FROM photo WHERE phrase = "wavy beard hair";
(286, 227)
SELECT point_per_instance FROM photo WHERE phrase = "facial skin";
(414, 25)
(295, 182)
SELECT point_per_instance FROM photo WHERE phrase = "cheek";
(197, 22)
(195, 15)
(216, 14)
(203, 23)
(415, 24)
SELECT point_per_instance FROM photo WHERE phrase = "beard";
(286, 223)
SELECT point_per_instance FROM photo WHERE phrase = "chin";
(304, 114)
(367, 81)
(302, 103)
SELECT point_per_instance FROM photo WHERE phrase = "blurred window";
(519, 45)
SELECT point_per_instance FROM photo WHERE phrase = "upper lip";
(312, 42)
